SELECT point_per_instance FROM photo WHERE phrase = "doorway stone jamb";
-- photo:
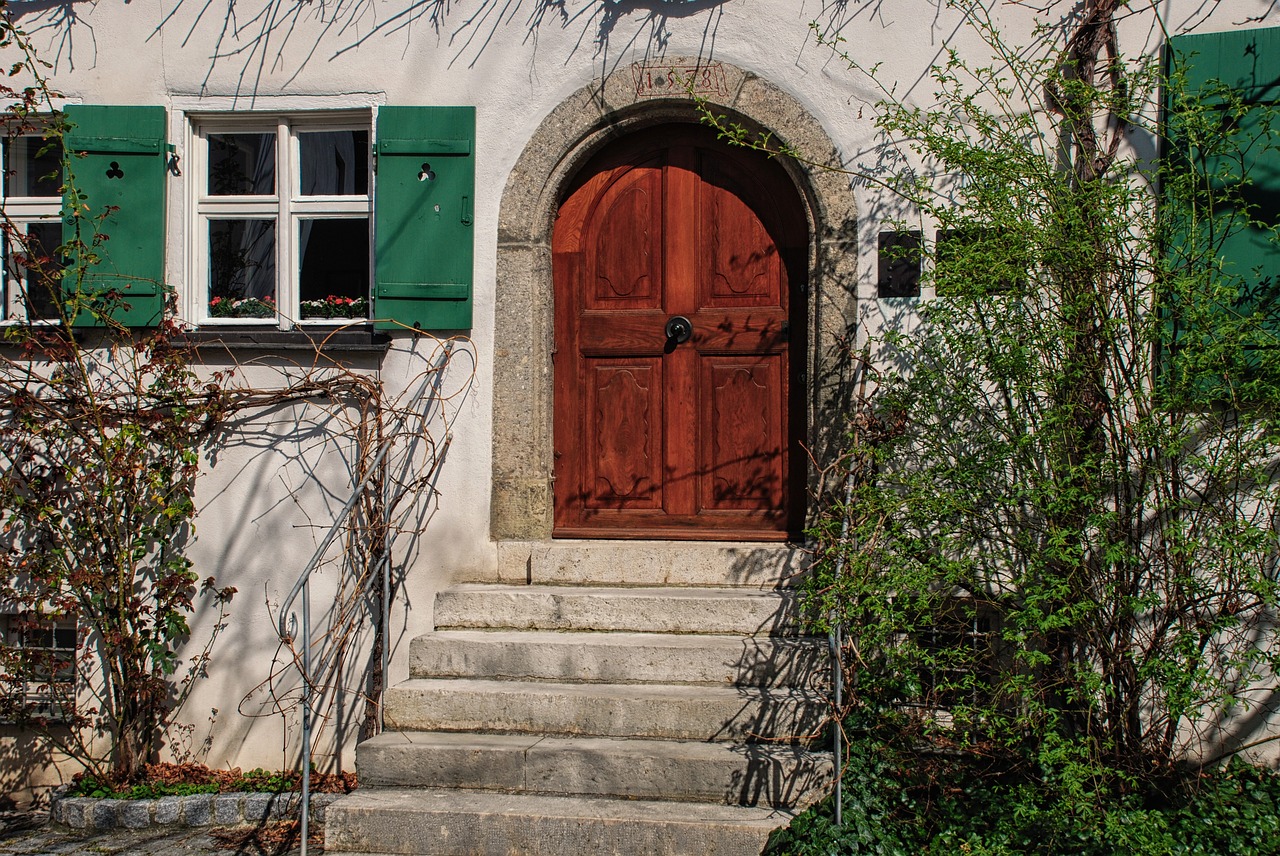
(523, 327)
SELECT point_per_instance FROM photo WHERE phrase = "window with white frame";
(282, 225)
(32, 204)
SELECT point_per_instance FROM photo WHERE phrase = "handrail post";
(385, 618)
(837, 679)
(306, 712)
(430, 383)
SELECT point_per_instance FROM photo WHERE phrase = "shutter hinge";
(172, 163)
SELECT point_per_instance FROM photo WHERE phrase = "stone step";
(647, 610)
(750, 774)
(662, 711)
(618, 657)
(415, 822)
(649, 563)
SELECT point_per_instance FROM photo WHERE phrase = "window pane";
(64, 636)
(44, 285)
(333, 260)
(32, 272)
(242, 164)
(899, 262)
(334, 163)
(34, 167)
(242, 268)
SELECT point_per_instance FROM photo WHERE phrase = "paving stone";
(227, 809)
(618, 657)
(676, 712)
(137, 814)
(600, 718)
(26, 833)
(75, 811)
(284, 805)
(486, 824)
(321, 802)
(169, 811)
(105, 814)
(197, 810)
(257, 807)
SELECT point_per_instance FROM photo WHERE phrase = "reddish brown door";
(654, 437)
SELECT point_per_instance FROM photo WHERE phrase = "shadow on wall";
(29, 768)
(262, 35)
(277, 478)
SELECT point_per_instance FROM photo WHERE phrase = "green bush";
(263, 781)
(207, 782)
(91, 787)
(899, 802)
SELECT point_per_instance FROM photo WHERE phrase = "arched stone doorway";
(522, 503)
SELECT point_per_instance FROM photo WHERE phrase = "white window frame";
(21, 212)
(286, 207)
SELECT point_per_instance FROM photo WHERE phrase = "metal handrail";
(835, 640)
(288, 620)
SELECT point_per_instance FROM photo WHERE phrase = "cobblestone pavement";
(29, 834)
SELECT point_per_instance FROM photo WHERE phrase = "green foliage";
(91, 787)
(259, 780)
(1055, 542)
(1053, 546)
(201, 780)
(899, 803)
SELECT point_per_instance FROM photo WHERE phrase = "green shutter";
(118, 164)
(424, 204)
(1223, 131)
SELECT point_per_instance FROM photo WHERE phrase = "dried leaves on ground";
(269, 839)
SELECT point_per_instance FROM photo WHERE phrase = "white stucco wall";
(270, 488)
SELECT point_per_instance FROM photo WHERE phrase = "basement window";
(38, 660)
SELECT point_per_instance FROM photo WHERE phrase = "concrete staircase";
(672, 716)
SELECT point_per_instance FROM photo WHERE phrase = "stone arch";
(623, 102)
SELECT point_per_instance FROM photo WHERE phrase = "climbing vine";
(103, 431)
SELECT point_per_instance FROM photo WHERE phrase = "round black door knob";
(679, 329)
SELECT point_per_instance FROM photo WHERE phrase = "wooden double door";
(680, 321)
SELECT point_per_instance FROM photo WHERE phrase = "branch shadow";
(257, 38)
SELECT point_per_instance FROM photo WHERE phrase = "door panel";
(744, 427)
(627, 259)
(623, 434)
(655, 438)
(743, 264)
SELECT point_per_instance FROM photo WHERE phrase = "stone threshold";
(194, 810)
